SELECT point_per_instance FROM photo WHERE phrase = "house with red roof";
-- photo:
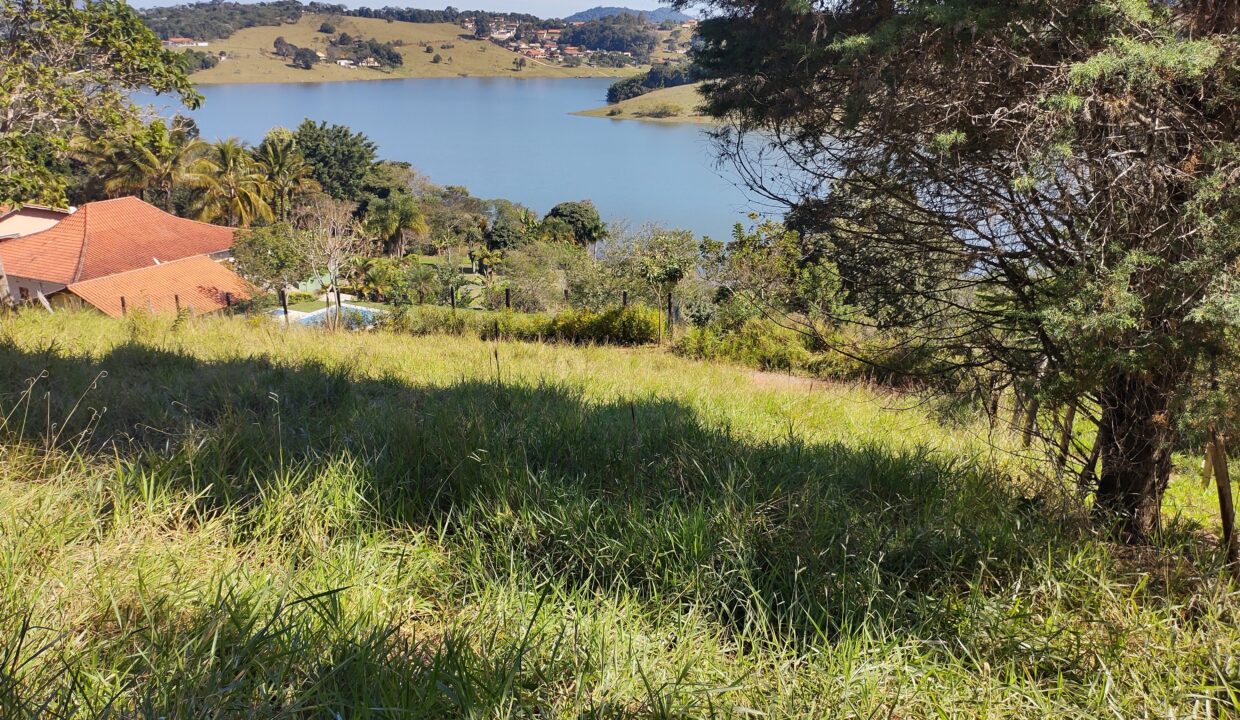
(82, 258)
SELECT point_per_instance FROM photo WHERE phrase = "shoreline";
(385, 77)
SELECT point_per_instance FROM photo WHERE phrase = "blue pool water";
(354, 317)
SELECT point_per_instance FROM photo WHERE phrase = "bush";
(663, 110)
(327, 28)
(633, 325)
(757, 343)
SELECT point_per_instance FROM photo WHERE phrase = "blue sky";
(541, 8)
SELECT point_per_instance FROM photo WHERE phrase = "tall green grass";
(221, 518)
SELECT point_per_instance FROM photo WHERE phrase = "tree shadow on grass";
(778, 540)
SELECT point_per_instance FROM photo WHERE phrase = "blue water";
(505, 138)
(355, 316)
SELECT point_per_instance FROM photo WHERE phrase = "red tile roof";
(200, 283)
(107, 237)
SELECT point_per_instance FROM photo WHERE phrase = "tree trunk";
(1136, 437)
(1065, 435)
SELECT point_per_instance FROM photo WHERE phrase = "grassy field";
(683, 99)
(252, 60)
(219, 518)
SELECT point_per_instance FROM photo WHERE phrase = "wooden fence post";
(507, 298)
(669, 316)
(176, 299)
(1222, 479)
(452, 295)
(124, 310)
(284, 304)
(624, 299)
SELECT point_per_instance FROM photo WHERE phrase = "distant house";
(197, 284)
(58, 266)
(369, 63)
(346, 63)
(29, 219)
(182, 42)
(571, 50)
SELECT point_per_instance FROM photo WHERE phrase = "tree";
(339, 157)
(327, 28)
(482, 26)
(154, 157)
(288, 175)
(583, 218)
(332, 234)
(1081, 180)
(305, 58)
(437, 59)
(65, 69)
(393, 219)
(283, 48)
(235, 189)
(272, 257)
(421, 282)
(511, 225)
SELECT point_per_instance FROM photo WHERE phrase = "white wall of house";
(26, 290)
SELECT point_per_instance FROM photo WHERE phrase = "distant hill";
(657, 15)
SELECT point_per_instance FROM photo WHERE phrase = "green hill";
(223, 518)
(657, 15)
(674, 104)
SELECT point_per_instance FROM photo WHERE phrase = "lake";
(505, 138)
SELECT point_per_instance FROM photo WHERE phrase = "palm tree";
(380, 278)
(393, 218)
(156, 158)
(235, 189)
(288, 173)
(422, 281)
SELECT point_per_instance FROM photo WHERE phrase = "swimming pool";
(354, 316)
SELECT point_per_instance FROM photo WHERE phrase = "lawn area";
(252, 60)
(682, 100)
(220, 518)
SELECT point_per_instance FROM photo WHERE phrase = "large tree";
(65, 71)
(582, 218)
(1066, 172)
(341, 158)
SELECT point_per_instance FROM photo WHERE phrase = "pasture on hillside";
(673, 104)
(251, 58)
(220, 517)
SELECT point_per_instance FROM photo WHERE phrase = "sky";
(541, 8)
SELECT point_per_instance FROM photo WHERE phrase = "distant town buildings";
(183, 42)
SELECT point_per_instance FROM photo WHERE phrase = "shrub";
(633, 325)
(662, 110)
(327, 28)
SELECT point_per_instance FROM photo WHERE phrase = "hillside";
(657, 15)
(221, 518)
(672, 105)
(251, 58)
